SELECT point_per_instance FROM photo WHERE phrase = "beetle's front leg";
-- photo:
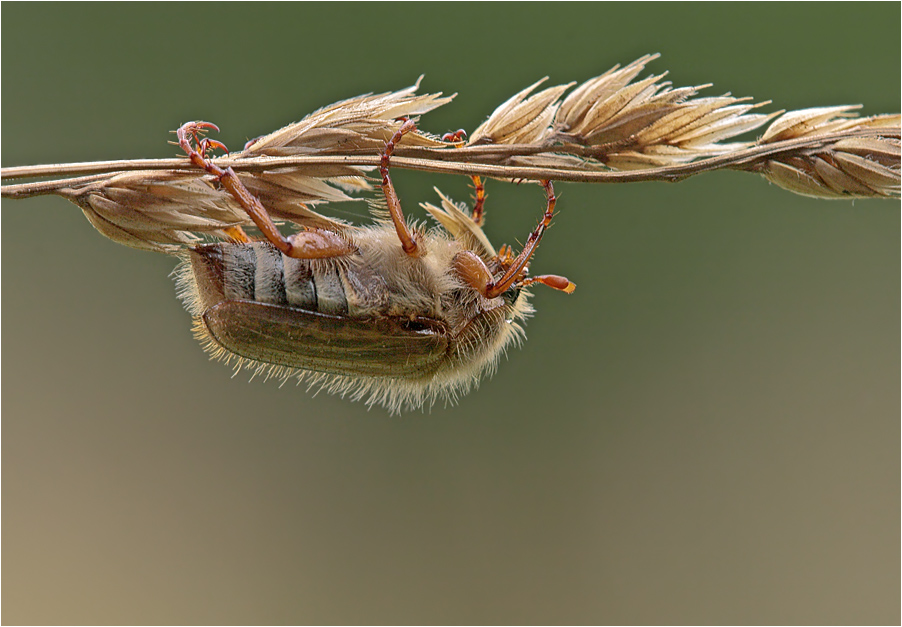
(473, 271)
(478, 212)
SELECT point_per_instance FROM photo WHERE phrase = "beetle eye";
(417, 326)
(511, 295)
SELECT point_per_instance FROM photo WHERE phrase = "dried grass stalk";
(857, 166)
(613, 128)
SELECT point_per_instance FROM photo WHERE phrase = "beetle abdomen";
(260, 272)
(252, 302)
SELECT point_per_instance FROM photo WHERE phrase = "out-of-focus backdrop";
(707, 431)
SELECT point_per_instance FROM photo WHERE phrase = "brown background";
(706, 431)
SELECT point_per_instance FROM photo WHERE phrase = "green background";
(707, 431)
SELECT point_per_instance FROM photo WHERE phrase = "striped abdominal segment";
(259, 272)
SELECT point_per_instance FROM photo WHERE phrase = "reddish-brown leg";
(555, 281)
(309, 244)
(478, 213)
(391, 197)
(237, 234)
(474, 271)
(456, 137)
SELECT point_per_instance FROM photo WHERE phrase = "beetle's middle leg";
(309, 244)
(408, 243)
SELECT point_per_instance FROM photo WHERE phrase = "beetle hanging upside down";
(391, 314)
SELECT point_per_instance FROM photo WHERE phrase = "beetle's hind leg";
(309, 244)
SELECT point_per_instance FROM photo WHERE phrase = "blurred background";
(706, 431)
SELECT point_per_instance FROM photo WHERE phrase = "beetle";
(389, 313)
